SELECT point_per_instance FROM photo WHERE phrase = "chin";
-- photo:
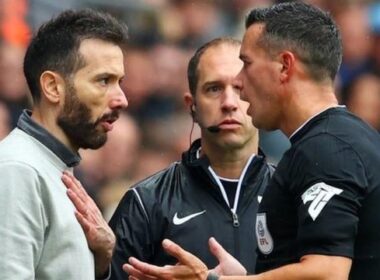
(232, 141)
(94, 142)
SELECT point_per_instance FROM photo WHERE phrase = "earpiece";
(193, 113)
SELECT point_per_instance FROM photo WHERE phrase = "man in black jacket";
(214, 190)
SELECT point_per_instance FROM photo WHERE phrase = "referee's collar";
(29, 126)
(296, 132)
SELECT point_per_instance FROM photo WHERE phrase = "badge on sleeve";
(319, 194)
(263, 236)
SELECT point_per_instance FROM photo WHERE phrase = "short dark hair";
(56, 45)
(192, 69)
(304, 29)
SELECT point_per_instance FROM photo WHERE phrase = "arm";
(22, 221)
(133, 231)
(100, 237)
(188, 267)
(311, 267)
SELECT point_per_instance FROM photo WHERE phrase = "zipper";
(235, 220)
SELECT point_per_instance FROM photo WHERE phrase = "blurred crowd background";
(156, 128)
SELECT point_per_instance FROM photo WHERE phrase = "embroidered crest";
(319, 194)
(263, 236)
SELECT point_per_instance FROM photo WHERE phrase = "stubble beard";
(75, 121)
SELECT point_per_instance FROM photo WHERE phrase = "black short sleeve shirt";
(324, 197)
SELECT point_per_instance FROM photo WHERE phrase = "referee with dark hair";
(320, 214)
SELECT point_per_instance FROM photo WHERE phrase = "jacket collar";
(191, 159)
(29, 126)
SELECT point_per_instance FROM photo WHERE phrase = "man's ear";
(287, 61)
(190, 104)
(189, 100)
(52, 86)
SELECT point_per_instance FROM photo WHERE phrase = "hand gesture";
(99, 235)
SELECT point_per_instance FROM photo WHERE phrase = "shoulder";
(157, 186)
(160, 179)
(323, 147)
(19, 181)
(21, 147)
(324, 157)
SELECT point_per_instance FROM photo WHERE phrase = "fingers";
(86, 225)
(135, 274)
(72, 183)
(217, 250)
(176, 251)
(78, 195)
(144, 268)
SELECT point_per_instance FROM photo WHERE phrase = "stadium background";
(155, 128)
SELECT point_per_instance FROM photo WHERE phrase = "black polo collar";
(29, 126)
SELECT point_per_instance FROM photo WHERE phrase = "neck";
(304, 104)
(229, 162)
(47, 118)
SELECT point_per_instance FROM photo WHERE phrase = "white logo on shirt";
(319, 194)
(263, 236)
(179, 221)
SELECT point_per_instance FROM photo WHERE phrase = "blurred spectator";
(119, 158)
(150, 162)
(120, 153)
(357, 42)
(13, 26)
(193, 22)
(171, 135)
(273, 144)
(374, 19)
(139, 78)
(363, 99)
(5, 127)
(13, 88)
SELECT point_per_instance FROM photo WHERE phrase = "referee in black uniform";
(320, 215)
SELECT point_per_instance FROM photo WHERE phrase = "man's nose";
(118, 100)
(239, 81)
(231, 98)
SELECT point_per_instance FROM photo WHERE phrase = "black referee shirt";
(324, 197)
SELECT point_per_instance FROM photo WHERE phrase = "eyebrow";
(211, 83)
(109, 74)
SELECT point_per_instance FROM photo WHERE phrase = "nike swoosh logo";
(179, 221)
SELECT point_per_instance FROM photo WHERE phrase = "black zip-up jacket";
(185, 204)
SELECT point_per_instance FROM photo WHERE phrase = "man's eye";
(214, 89)
(104, 81)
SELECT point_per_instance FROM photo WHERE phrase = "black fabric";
(324, 197)
(26, 124)
(230, 187)
(183, 189)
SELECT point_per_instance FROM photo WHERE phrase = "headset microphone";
(213, 128)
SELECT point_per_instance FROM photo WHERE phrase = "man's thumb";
(217, 250)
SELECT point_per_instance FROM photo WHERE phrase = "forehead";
(219, 61)
(101, 56)
(251, 36)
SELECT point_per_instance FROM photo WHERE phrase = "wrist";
(212, 275)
